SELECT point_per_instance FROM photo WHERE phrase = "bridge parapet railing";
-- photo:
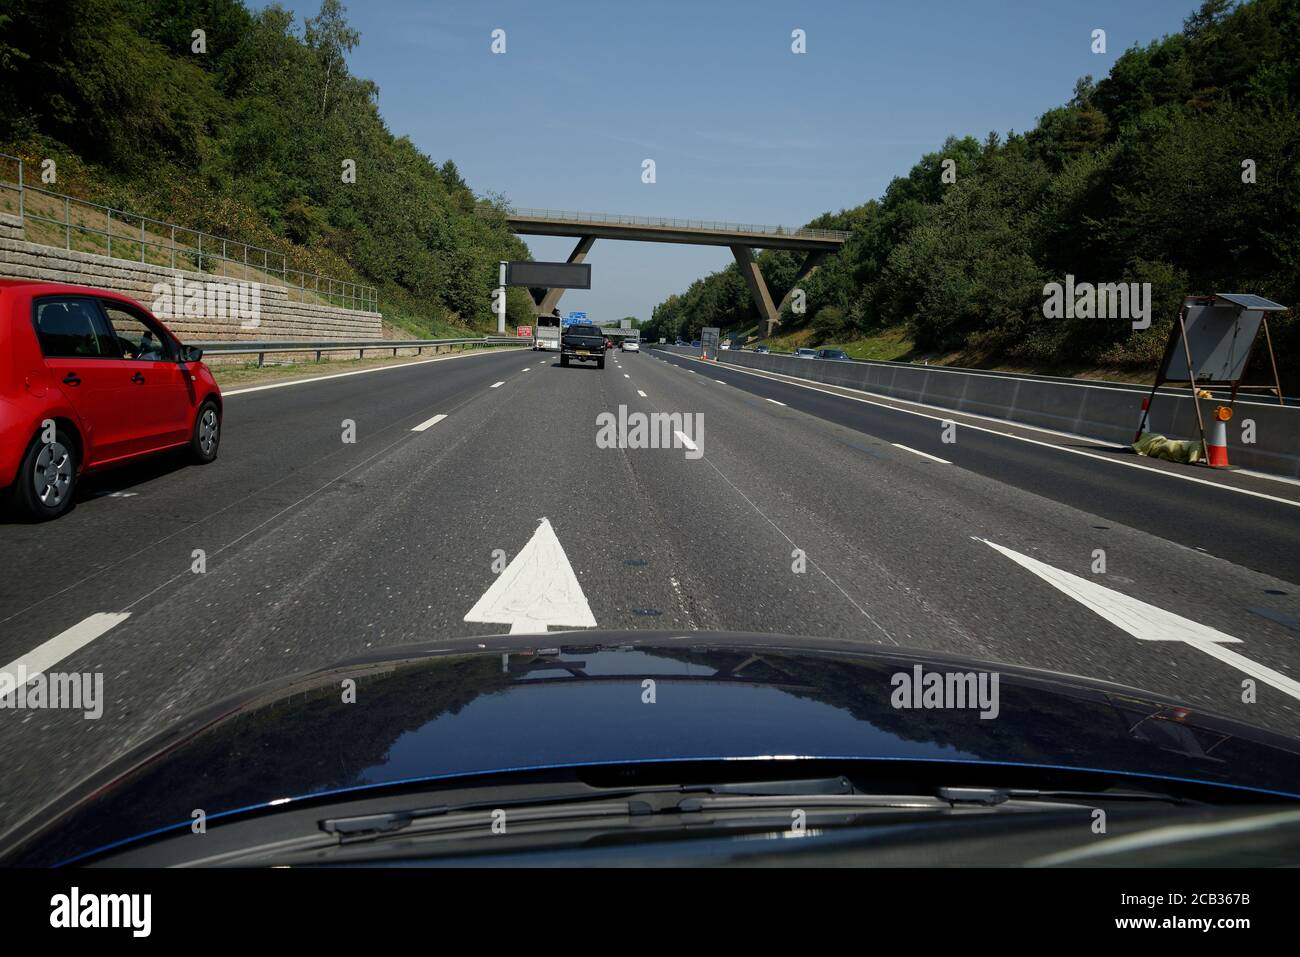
(702, 225)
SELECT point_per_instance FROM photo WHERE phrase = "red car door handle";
(138, 379)
(72, 379)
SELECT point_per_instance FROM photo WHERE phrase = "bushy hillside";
(247, 140)
(1138, 178)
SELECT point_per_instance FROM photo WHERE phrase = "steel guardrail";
(1108, 413)
(1243, 396)
(360, 346)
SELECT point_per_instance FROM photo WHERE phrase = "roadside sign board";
(524, 332)
(1210, 346)
(577, 315)
(1220, 335)
(549, 275)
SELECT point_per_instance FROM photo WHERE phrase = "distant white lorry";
(547, 338)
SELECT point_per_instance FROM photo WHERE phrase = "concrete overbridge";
(741, 239)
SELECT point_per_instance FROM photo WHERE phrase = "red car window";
(71, 328)
(137, 338)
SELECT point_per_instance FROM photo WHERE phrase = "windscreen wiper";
(389, 822)
(991, 797)
(638, 800)
(835, 794)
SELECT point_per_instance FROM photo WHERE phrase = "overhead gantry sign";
(816, 244)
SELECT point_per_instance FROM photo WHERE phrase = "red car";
(88, 379)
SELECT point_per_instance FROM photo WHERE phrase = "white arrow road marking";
(46, 656)
(537, 589)
(1148, 622)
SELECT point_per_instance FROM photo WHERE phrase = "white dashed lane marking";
(428, 422)
(46, 656)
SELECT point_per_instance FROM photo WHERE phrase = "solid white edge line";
(774, 402)
(1021, 438)
(342, 375)
(429, 422)
(925, 455)
(49, 654)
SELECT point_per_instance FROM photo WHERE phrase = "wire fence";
(569, 216)
(55, 219)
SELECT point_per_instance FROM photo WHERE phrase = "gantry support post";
(767, 314)
(552, 297)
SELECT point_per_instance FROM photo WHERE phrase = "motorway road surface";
(316, 549)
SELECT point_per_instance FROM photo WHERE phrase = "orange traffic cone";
(1217, 441)
(1142, 418)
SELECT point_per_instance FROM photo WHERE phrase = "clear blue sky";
(741, 129)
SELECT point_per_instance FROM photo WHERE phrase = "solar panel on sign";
(1250, 301)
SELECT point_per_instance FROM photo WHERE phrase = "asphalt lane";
(1247, 530)
(133, 528)
(805, 522)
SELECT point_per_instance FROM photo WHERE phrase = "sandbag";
(1155, 446)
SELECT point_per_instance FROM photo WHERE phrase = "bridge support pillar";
(767, 312)
(552, 297)
(810, 264)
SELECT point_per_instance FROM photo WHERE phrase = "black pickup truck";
(583, 344)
